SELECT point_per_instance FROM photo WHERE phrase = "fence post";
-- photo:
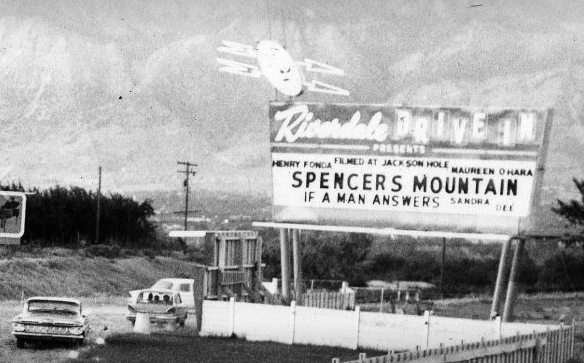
(231, 316)
(292, 321)
(548, 345)
(498, 327)
(275, 286)
(562, 340)
(427, 323)
(381, 301)
(357, 323)
(535, 357)
(572, 338)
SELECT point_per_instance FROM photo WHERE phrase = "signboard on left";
(12, 215)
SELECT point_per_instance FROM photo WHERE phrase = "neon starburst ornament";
(279, 68)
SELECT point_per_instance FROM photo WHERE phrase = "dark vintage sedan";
(50, 319)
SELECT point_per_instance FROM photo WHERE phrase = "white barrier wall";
(256, 323)
(217, 316)
(391, 331)
(350, 329)
(336, 328)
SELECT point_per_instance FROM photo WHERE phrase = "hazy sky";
(134, 86)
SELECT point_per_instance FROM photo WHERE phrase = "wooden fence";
(552, 346)
(329, 300)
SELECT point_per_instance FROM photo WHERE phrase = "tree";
(61, 216)
(573, 212)
(327, 256)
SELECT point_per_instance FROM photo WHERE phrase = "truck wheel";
(20, 343)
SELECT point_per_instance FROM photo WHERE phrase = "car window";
(153, 297)
(57, 307)
(185, 287)
(162, 285)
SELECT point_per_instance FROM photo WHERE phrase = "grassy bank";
(80, 276)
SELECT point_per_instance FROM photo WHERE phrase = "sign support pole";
(442, 264)
(501, 275)
(511, 288)
(284, 264)
(297, 266)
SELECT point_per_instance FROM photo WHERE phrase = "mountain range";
(133, 86)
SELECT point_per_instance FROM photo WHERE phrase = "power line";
(188, 172)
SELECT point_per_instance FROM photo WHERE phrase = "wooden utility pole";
(98, 207)
(187, 172)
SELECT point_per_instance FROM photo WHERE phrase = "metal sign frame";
(509, 143)
(21, 216)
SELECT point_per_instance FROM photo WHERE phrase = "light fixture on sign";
(279, 68)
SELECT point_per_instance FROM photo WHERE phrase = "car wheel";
(20, 343)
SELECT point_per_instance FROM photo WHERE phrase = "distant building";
(401, 285)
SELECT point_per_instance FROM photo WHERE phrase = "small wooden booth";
(232, 260)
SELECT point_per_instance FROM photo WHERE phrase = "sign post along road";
(419, 168)
(12, 216)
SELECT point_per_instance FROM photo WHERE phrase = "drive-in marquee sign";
(424, 168)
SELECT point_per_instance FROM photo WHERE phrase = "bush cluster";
(350, 257)
(66, 217)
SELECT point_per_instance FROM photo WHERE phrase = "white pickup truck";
(184, 287)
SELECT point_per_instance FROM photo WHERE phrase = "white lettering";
(298, 123)
(440, 124)
(459, 125)
(478, 126)
(505, 128)
(526, 126)
(402, 124)
(421, 130)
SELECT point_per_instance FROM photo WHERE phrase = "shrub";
(149, 253)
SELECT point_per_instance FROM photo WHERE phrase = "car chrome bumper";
(41, 336)
(155, 318)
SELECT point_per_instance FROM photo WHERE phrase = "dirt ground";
(108, 321)
(107, 317)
